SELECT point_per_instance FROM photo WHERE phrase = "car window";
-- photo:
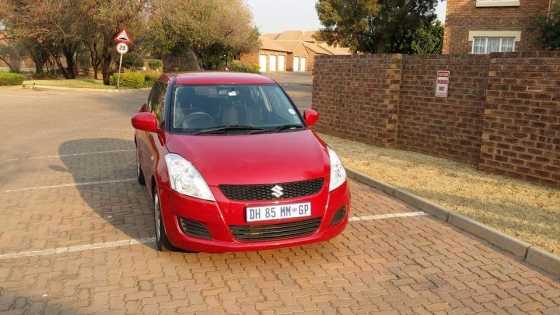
(154, 97)
(159, 106)
(213, 106)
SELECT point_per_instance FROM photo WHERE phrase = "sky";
(273, 16)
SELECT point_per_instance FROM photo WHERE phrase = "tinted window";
(157, 100)
(198, 108)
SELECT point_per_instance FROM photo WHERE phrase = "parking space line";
(77, 248)
(130, 242)
(117, 181)
(47, 157)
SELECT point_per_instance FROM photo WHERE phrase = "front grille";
(275, 231)
(265, 192)
(195, 229)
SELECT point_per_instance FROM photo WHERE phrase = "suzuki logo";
(277, 191)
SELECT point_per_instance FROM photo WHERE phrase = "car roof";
(217, 78)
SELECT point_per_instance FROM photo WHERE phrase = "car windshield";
(203, 109)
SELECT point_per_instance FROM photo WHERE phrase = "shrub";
(151, 77)
(155, 64)
(133, 80)
(10, 78)
(238, 66)
(132, 61)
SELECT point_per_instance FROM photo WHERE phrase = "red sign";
(122, 37)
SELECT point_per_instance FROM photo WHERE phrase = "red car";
(231, 165)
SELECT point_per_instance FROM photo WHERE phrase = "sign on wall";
(442, 83)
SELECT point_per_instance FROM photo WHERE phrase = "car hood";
(253, 159)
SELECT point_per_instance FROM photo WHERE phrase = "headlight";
(185, 178)
(338, 173)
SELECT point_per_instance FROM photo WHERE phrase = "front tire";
(162, 242)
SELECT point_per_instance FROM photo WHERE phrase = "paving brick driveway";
(84, 248)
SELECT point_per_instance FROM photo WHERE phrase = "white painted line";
(77, 248)
(130, 242)
(387, 216)
(117, 181)
(47, 157)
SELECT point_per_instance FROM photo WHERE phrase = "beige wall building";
(292, 51)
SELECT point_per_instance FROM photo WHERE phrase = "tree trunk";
(106, 68)
(94, 58)
(8, 63)
(71, 65)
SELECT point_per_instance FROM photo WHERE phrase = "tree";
(428, 39)
(213, 30)
(345, 22)
(383, 26)
(105, 18)
(548, 28)
(50, 24)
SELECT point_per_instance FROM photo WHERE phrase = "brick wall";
(358, 96)
(448, 127)
(521, 132)
(502, 113)
(464, 16)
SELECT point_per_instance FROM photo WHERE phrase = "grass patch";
(520, 209)
(84, 83)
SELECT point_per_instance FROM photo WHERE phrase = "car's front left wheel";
(162, 242)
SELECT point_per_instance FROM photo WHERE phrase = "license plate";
(278, 212)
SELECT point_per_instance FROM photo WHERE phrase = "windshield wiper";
(225, 129)
(288, 127)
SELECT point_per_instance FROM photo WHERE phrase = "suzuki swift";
(231, 165)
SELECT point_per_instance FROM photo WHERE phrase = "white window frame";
(497, 3)
(500, 34)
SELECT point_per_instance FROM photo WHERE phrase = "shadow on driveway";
(117, 198)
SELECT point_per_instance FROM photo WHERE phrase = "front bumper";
(218, 216)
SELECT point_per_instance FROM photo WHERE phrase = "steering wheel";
(199, 120)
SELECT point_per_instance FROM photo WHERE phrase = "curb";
(47, 87)
(526, 252)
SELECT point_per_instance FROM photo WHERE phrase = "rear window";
(197, 108)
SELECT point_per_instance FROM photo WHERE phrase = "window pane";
(479, 45)
(493, 44)
(507, 44)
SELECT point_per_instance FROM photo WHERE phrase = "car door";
(155, 141)
(143, 137)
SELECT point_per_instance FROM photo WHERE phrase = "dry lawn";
(524, 210)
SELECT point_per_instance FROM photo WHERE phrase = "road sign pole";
(119, 75)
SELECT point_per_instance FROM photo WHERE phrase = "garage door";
(302, 64)
(296, 64)
(271, 63)
(262, 63)
(282, 63)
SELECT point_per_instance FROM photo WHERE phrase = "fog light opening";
(339, 216)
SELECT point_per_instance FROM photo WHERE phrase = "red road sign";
(122, 37)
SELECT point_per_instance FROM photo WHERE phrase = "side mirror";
(310, 116)
(145, 121)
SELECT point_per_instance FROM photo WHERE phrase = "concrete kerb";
(528, 253)
(47, 87)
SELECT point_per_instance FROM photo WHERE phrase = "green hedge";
(238, 66)
(136, 80)
(151, 77)
(9, 78)
(133, 80)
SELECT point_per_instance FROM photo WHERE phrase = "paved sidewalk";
(75, 233)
